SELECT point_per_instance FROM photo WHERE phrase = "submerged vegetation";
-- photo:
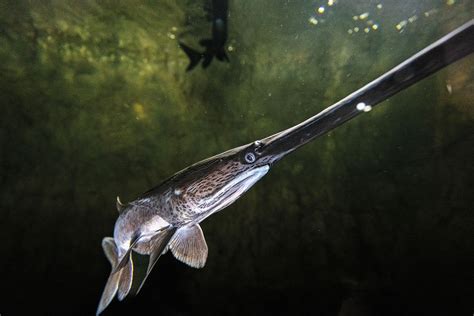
(96, 103)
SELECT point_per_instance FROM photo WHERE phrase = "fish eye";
(249, 157)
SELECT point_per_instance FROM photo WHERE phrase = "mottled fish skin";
(189, 196)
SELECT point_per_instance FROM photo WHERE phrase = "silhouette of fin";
(189, 246)
(193, 55)
(207, 55)
(221, 55)
(158, 245)
(207, 60)
(210, 51)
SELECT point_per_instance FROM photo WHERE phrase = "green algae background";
(374, 218)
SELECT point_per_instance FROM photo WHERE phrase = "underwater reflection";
(215, 46)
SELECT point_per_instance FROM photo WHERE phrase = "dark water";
(374, 218)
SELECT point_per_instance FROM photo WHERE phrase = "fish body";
(186, 199)
(167, 217)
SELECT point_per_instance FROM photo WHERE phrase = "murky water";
(375, 218)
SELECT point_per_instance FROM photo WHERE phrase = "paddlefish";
(167, 217)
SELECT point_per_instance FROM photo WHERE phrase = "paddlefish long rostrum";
(167, 217)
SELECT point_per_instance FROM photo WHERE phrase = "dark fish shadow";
(214, 47)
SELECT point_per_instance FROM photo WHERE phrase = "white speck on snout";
(177, 192)
(449, 88)
(360, 106)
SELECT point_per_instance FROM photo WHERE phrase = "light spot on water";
(375, 26)
(321, 10)
(349, 31)
(430, 12)
(171, 35)
(331, 2)
(366, 30)
(355, 17)
(313, 20)
(412, 19)
(400, 26)
(450, 2)
(230, 48)
(379, 6)
(139, 111)
(356, 29)
(360, 106)
(449, 87)
(364, 15)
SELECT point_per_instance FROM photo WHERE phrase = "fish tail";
(119, 280)
(126, 278)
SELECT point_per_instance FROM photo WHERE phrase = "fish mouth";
(234, 189)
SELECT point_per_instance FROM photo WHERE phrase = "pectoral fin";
(158, 245)
(189, 246)
(126, 279)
